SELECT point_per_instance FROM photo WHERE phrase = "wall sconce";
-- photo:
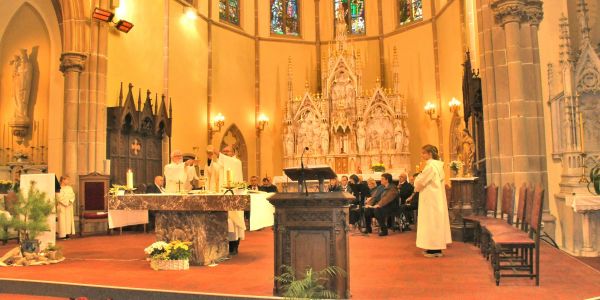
(108, 17)
(217, 122)
(430, 110)
(263, 121)
(190, 13)
(454, 105)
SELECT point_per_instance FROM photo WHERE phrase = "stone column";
(71, 64)
(509, 14)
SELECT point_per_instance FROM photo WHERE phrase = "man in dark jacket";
(386, 205)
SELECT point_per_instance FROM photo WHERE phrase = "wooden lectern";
(312, 231)
(301, 175)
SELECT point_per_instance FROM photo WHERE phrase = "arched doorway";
(233, 137)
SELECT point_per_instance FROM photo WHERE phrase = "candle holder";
(583, 179)
(229, 189)
(32, 154)
(42, 155)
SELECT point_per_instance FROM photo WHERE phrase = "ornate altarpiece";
(137, 138)
(346, 127)
(575, 107)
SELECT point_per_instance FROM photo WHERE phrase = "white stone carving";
(345, 126)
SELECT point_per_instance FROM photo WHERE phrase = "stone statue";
(398, 137)
(324, 139)
(467, 152)
(289, 141)
(406, 139)
(361, 135)
(22, 75)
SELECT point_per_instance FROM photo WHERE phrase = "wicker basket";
(177, 265)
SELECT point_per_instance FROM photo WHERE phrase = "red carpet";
(380, 268)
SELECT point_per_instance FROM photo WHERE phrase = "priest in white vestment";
(212, 170)
(433, 232)
(235, 219)
(175, 175)
(64, 209)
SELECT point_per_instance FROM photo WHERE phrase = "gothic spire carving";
(584, 22)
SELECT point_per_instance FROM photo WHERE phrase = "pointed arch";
(233, 137)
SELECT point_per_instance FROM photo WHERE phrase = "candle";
(129, 179)
(37, 126)
(581, 132)
(228, 176)
(107, 167)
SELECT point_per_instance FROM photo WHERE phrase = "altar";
(200, 219)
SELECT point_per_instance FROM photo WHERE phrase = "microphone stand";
(302, 173)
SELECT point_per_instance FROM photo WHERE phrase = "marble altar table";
(200, 219)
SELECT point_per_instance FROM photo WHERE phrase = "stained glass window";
(409, 11)
(229, 11)
(355, 14)
(284, 17)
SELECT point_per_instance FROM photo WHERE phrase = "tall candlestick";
(129, 179)
(37, 127)
(581, 132)
(228, 176)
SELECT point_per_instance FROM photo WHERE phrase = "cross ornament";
(136, 147)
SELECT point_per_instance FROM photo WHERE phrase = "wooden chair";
(93, 201)
(504, 222)
(491, 205)
(527, 244)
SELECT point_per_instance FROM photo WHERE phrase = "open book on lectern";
(311, 172)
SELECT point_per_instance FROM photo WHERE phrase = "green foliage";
(312, 286)
(31, 213)
(4, 224)
(595, 179)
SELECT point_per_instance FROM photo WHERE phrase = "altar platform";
(381, 268)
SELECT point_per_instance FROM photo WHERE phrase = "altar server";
(232, 170)
(175, 175)
(433, 232)
(64, 208)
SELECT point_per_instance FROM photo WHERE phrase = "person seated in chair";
(383, 207)
(334, 186)
(254, 186)
(267, 186)
(405, 190)
(345, 186)
(360, 193)
(157, 186)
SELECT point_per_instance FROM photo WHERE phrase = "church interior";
(225, 138)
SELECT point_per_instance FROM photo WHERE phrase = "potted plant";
(53, 252)
(456, 167)
(595, 179)
(311, 286)
(31, 217)
(174, 255)
(378, 168)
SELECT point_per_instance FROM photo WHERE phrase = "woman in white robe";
(433, 231)
(64, 208)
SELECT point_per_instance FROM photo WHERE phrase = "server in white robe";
(236, 225)
(212, 170)
(433, 232)
(175, 175)
(64, 208)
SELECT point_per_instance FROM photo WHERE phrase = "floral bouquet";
(20, 156)
(378, 167)
(5, 186)
(456, 165)
(169, 256)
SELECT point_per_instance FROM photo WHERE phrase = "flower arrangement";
(456, 165)
(174, 255)
(5, 186)
(378, 167)
(19, 156)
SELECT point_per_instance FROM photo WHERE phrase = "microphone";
(302, 157)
